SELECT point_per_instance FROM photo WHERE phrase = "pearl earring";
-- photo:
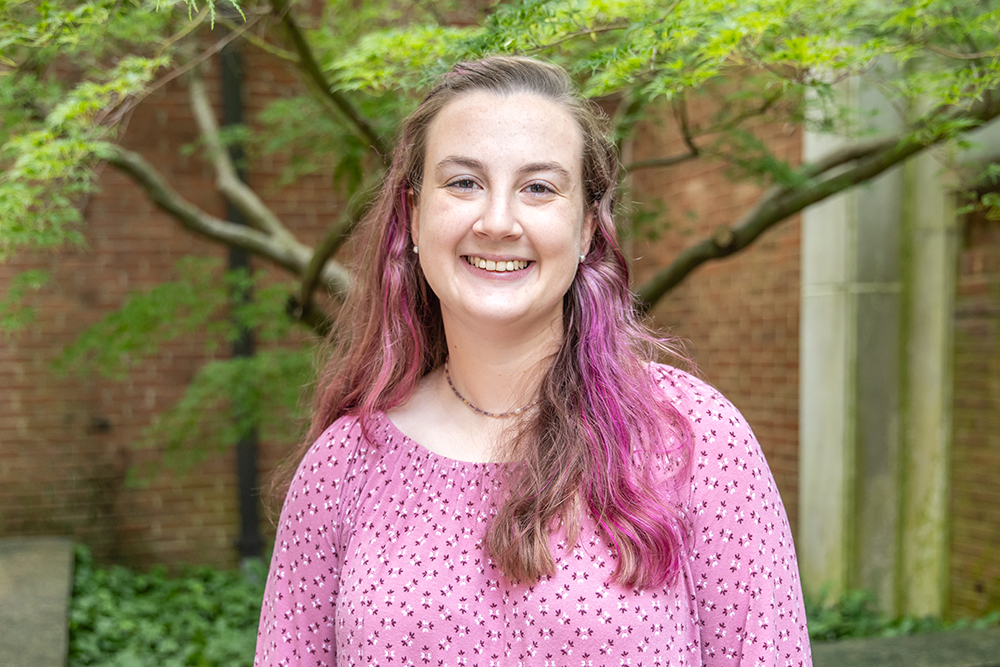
(416, 250)
(583, 257)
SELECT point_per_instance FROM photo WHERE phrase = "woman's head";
(397, 326)
(505, 77)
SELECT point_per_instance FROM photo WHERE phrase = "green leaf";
(14, 314)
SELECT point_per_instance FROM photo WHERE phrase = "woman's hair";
(603, 440)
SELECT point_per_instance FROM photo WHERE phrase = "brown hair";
(603, 440)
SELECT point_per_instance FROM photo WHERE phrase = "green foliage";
(853, 615)
(226, 400)
(14, 315)
(316, 143)
(47, 169)
(197, 301)
(203, 618)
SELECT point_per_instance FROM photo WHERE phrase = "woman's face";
(500, 219)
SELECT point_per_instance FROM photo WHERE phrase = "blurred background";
(810, 200)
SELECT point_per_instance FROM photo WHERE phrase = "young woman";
(500, 474)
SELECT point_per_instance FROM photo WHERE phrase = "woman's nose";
(499, 218)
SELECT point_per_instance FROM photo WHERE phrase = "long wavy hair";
(603, 441)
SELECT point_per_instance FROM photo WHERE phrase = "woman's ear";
(589, 227)
(414, 214)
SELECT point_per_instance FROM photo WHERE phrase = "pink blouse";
(378, 560)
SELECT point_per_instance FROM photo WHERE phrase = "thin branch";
(779, 203)
(578, 33)
(961, 56)
(311, 68)
(661, 161)
(185, 31)
(260, 42)
(202, 57)
(693, 149)
(293, 258)
(743, 116)
(330, 244)
(227, 180)
(608, 28)
(681, 115)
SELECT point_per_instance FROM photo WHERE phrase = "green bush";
(853, 615)
(204, 618)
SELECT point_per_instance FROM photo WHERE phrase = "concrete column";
(877, 279)
(827, 372)
(930, 260)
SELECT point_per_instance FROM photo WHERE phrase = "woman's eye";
(463, 184)
(539, 189)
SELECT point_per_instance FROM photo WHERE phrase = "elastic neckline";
(431, 454)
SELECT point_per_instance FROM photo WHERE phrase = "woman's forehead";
(483, 125)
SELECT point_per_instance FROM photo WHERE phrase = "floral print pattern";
(378, 560)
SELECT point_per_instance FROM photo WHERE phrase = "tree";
(72, 71)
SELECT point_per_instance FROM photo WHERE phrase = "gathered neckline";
(431, 454)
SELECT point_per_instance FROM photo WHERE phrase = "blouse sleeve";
(297, 616)
(745, 575)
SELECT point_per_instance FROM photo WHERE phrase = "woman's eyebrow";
(544, 166)
(460, 161)
(478, 165)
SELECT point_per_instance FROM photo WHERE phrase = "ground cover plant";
(853, 615)
(201, 618)
(208, 618)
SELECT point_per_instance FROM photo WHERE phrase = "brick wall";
(738, 317)
(975, 483)
(66, 442)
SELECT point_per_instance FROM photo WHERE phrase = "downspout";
(250, 543)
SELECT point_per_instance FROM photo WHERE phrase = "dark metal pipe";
(250, 543)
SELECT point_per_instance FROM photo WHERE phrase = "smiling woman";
(498, 471)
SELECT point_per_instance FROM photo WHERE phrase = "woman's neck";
(499, 375)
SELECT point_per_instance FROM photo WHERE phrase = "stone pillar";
(930, 264)
(873, 482)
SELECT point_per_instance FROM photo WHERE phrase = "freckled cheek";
(446, 221)
(440, 229)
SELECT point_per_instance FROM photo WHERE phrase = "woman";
(500, 475)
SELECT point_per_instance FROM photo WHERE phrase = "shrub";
(854, 615)
(203, 618)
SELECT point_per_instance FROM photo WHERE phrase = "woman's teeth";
(490, 265)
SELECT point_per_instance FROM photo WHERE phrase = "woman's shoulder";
(692, 396)
(348, 447)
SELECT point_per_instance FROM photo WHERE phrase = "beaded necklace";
(502, 415)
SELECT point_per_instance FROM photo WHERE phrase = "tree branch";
(259, 42)
(680, 113)
(334, 239)
(226, 179)
(311, 68)
(293, 257)
(661, 161)
(579, 33)
(779, 203)
(961, 56)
